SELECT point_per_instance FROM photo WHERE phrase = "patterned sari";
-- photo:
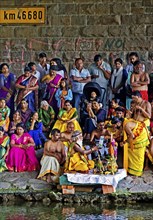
(30, 96)
(4, 142)
(22, 159)
(51, 91)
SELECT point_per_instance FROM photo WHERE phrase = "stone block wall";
(75, 28)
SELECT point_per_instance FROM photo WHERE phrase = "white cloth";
(115, 81)
(109, 179)
(49, 165)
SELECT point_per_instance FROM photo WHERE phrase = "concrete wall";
(76, 28)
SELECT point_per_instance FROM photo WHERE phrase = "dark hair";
(137, 62)
(31, 64)
(2, 65)
(120, 109)
(115, 120)
(55, 130)
(133, 54)
(42, 54)
(21, 124)
(119, 60)
(27, 68)
(97, 58)
(17, 111)
(56, 60)
(136, 93)
(24, 100)
(1, 129)
(67, 101)
(77, 59)
(2, 99)
(54, 67)
(96, 100)
(66, 83)
(59, 64)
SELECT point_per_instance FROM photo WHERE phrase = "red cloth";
(144, 95)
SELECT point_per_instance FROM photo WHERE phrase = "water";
(38, 211)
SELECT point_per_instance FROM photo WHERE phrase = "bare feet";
(49, 178)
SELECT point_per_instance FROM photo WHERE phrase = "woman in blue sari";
(35, 130)
(27, 85)
(7, 85)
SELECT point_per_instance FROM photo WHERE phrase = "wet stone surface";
(26, 186)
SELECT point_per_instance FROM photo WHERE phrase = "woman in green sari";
(4, 149)
(46, 115)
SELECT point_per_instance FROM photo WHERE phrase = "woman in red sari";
(52, 80)
(28, 89)
(22, 155)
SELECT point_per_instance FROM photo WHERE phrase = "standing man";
(43, 67)
(79, 77)
(100, 72)
(133, 57)
(140, 80)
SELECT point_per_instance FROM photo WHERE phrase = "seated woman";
(25, 111)
(83, 106)
(66, 115)
(22, 155)
(14, 122)
(46, 115)
(35, 130)
(5, 111)
(63, 93)
(77, 159)
(95, 114)
(113, 104)
(4, 149)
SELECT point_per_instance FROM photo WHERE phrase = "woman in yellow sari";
(77, 159)
(66, 115)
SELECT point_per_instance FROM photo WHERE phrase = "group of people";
(47, 113)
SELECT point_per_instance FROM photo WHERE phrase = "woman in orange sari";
(28, 89)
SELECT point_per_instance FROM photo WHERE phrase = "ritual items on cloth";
(105, 160)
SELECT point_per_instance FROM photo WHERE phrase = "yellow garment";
(62, 126)
(75, 161)
(137, 155)
(80, 163)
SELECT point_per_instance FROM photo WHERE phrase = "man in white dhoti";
(53, 157)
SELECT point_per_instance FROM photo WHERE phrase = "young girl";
(63, 93)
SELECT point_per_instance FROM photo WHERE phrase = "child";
(63, 93)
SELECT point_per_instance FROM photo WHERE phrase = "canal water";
(38, 211)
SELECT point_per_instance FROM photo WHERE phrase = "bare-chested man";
(137, 134)
(100, 131)
(140, 80)
(66, 136)
(54, 156)
(141, 112)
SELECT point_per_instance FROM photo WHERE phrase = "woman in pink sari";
(21, 156)
(52, 80)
